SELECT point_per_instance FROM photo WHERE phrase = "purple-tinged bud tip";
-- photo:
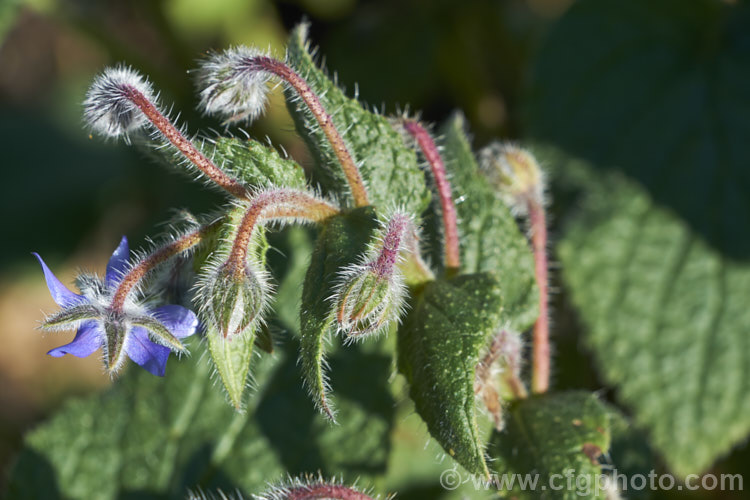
(109, 109)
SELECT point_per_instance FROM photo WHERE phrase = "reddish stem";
(287, 74)
(275, 204)
(437, 166)
(541, 348)
(185, 146)
(140, 270)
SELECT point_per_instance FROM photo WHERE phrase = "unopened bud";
(514, 172)
(230, 86)
(109, 109)
(236, 300)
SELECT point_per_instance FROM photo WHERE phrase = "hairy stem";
(140, 270)
(275, 204)
(541, 348)
(184, 145)
(437, 166)
(287, 74)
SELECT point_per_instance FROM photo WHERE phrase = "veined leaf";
(490, 238)
(439, 346)
(667, 319)
(389, 168)
(256, 164)
(341, 242)
(152, 437)
(657, 262)
(549, 436)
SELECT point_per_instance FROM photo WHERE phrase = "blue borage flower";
(144, 335)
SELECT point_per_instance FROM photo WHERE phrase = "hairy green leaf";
(439, 347)
(150, 436)
(490, 238)
(256, 164)
(658, 263)
(667, 318)
(341, 242)
(549, 438)
(389, 168)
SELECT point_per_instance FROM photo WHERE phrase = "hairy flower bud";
(367, 302)
(236, 300)
(108, 108)
(515, 173)
(371, 295)
(229, 87)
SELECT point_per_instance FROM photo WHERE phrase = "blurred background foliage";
(70, 198)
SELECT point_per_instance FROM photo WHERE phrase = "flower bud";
(514, 172)
(109, 109)
(231, 87)
(236, 300)
(367, 301)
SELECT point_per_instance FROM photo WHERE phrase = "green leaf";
(255, 164)
(548, 436)
(232, 357)
(658, 263)
(342, 241)
(156, 437)
(439, 346)
(389, 168)
(667, 317)
(490, 238)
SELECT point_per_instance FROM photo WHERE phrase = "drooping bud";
(109, 109)
(236, 300)
(230, 87)
(371, 295)
(515, 173)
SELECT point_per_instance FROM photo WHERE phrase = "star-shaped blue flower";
(144, 335)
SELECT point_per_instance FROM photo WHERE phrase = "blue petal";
(60, 293)
(87, 340)
(152, 357)
(181, 321)
(118, 263)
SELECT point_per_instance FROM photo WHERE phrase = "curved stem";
(541, 348)
(275, 204)
(437, 166)
(140, 270)
(287, 74)
(184, 145)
